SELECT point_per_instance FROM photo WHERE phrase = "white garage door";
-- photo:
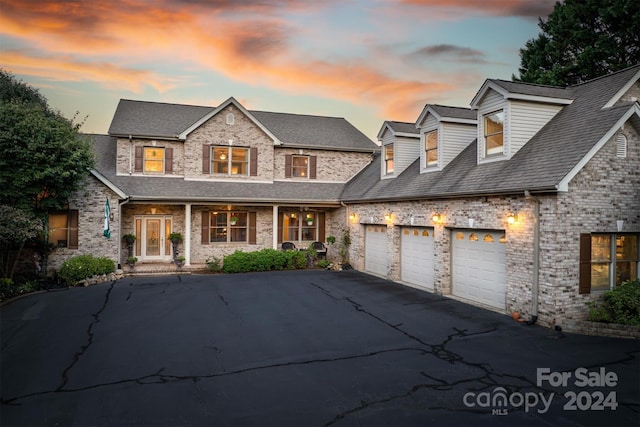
(478, 266)
(416, 256)
(376, 258)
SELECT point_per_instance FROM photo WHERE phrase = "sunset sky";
(364, 60)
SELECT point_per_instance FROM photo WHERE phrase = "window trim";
(426, 164)
(71, 228)
(388, 161)
(307, 168)
(302, 225)
(207, 226)
(229, 160)
(485, 151)
(161, 161)
(586, 261)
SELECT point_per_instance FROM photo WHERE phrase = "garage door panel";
(478, 266)
(416, 256)
(376, 257)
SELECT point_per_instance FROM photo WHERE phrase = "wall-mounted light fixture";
(388, 217)
(353, 217)
(436, 217)
(512, 218)
(153, 211)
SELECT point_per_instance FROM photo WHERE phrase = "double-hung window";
(63, 229)
(431, 148)
(300, 166)
(228, 227)
(388, 159)
(153, 160)
(230, 161)
(493, 133)
(607, 260)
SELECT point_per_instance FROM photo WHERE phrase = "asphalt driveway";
(298, 348)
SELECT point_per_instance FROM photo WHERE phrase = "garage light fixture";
(512, 218)
(388, 217)
(436, 217)
(353, 217)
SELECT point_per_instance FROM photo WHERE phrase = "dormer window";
(431, 148)
(494, 133)
(388, 159)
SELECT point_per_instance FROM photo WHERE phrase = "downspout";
(536, 257)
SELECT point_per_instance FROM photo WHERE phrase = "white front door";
(153, 231)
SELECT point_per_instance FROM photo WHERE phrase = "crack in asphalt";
(84, 348)
(160, 378)
(489, 378)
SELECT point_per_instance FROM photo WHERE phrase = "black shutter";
(585, 264)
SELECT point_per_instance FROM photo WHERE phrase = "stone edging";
(586, 327)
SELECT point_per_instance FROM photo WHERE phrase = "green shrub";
(263, 260)
(9, 289)
(83, 266)
(323, 263)
(620, 305)
(214, 264)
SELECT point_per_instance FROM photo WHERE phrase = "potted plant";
(131, 261)
(129, 239)
(175, 238)
(309, 220)
(234, 220)
(179, 261)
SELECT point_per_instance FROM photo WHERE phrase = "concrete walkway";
(298, 348)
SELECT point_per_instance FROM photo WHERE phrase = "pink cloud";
(525, 8)
(108, 42)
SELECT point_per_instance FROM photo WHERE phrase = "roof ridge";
(604, 76)
(295, 114)
(167, 103)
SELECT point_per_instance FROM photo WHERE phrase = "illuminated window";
(487, 238)
(230, 161)
(493, 133)
(153, 160)
(431, 148)
(610, 259)
(300, 166)
(300, 226)
(388, 159)
(63, 229)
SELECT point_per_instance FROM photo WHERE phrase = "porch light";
(153, 211)
(388, 217)
(512, 218)
(353, 217)
(436, 217)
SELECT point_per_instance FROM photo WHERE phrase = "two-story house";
(226, 178)
(528, 201)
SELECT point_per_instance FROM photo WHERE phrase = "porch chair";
(289, 246)
(320, 248)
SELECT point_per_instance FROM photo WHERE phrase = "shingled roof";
(543, 164)
(169, 121)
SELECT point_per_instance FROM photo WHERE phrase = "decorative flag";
(107, 213)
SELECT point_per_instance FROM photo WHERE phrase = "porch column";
(275, 226)
(187, 234)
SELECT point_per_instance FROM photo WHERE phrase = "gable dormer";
(511, 113)
(400, 144)
(444, 133)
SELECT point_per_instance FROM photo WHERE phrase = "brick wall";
(90, 202)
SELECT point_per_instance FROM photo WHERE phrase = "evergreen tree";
(581, 40)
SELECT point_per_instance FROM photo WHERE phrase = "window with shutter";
(63, 228)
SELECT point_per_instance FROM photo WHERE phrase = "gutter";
(536, 257)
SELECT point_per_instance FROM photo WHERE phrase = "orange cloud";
(84, 41)
(62, 68)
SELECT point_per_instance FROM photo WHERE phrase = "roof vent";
(621, 146)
